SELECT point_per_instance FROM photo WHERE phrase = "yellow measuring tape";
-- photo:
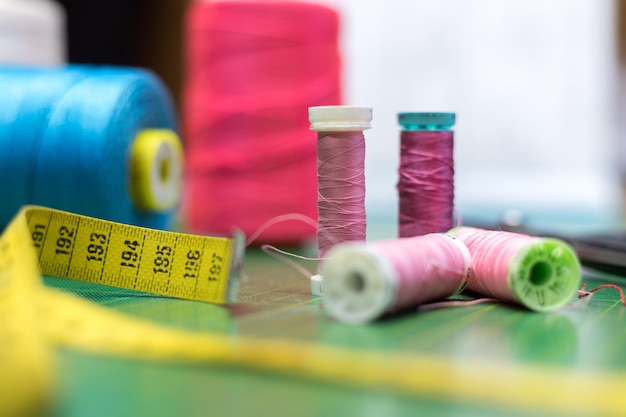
(83, 248)
(34, 319)
(173, 264)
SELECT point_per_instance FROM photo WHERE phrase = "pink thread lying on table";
(429, 267)
(491, 255)
(426, 182)
(341, 188)
(280, 254)
(285, 257)
(583, 293)
(280, 219)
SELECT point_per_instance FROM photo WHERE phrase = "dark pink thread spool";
(426, 173)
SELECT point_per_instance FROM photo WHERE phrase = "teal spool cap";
(412, 121)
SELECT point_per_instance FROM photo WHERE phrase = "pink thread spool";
(426, 173)
(250, 69)
(541, 274)
(340, 173)
(363, 281)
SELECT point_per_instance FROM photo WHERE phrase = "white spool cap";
(32, 33)
(340, 118)
(359, 284)
(317, 285)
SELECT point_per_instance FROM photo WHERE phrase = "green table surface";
(275, 302)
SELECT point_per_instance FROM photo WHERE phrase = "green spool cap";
(426, 121)
(545, 274)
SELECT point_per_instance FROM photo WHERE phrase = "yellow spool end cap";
(156, 170)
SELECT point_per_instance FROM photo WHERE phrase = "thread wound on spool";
(364, 281)
(341, 173)
(67, 135)
(251, 69)
(426, 173)
(540, 273)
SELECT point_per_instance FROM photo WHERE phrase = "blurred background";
(536, 86)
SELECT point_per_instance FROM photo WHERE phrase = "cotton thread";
(252, 67)
(340, 173)
(583, 292)
(540, 273)
(363, 281)
(341, 195)
(67, 136)
(426, 173)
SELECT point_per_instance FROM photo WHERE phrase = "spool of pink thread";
(340, 173)
(426, 173)
(341, 177)
(251, 67)
(539, 273)
(363, 281)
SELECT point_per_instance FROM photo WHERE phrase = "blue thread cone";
(66, 135)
